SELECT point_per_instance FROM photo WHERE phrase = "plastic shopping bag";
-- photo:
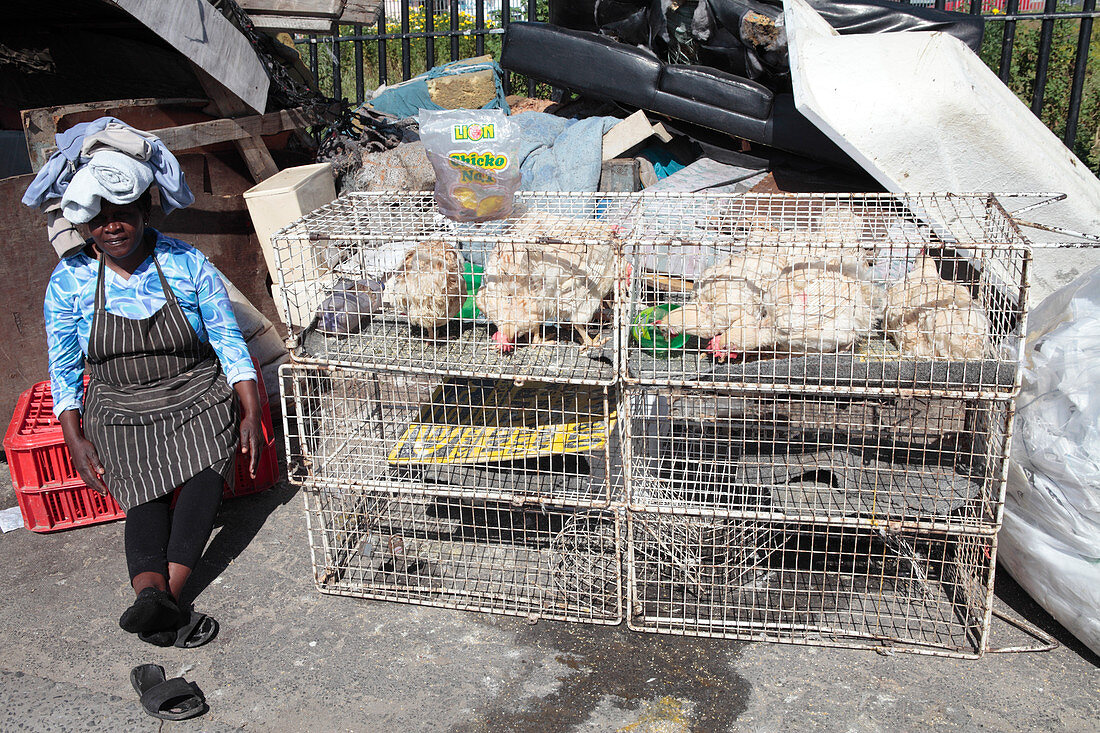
(472, 152)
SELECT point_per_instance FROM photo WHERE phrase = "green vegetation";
(1025, 57)
(418, 48)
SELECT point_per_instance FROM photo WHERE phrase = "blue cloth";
(70, 302)
(560, 154)
(408, 98)
(664, 163)
(54, 177)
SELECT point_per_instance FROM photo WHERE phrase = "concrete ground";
(291, 659)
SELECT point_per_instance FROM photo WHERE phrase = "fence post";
(1046, 39)
(1007, 38)
(1084, 39)
(360, 92)
(383, 76)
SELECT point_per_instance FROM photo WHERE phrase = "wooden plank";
(186, 137)
(258, 158)
(42, 124)
(198, 134)
(204, 36)
(26, 268)
(251, 147)
(292, 23)
(316, 8)
(361, 11)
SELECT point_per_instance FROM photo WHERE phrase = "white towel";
(108, 175)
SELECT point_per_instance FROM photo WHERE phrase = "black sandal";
(174, 699)
(153, 610)
(198, 630)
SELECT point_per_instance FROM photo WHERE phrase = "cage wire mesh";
(432, 434)
(494, 557)
(933, 463)
(809, 584)
(825, 292)
(383, 281)
(802, 403)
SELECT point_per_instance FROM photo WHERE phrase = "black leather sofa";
(604, 68)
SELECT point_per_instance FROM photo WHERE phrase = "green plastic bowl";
(651, 338)
(472, 275)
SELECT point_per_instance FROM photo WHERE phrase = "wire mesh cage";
(919, 462)
(467, 554)
(431, 434)
(825, 292)
(809, 584)
(383, 281)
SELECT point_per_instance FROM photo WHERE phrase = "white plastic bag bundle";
(1050, 541)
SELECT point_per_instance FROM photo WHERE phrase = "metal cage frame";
(419, 490)
(417, 434)
(754, 580)
(539, 563)
(929, 464)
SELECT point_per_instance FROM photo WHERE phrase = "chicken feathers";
(929, 317)
(543, 279)
(428, 287)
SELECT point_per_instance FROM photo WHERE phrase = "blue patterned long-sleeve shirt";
(198, 287)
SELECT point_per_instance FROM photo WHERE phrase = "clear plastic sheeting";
(1050, 539)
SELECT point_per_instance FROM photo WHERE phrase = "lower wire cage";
(542, 563)
(809, 584)
(931, 463)
(428, 434)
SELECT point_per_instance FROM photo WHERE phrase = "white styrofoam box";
(283, 198)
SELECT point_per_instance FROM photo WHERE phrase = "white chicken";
(819, 307)
(728, 298)
(811, 308)
(543, 279)
(929, 317)
(428, 287)
(761, 300)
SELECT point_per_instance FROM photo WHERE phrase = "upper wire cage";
(920, 293)
(381, 280)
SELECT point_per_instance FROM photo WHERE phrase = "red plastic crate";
(50, 492)
(267, 473)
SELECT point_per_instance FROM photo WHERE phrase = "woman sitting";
(171, 396)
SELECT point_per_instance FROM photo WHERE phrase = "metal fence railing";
(1040, 48)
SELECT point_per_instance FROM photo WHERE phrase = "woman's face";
(118, 229)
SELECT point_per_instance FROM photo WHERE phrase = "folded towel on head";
(75, 145)
(107, 175)
(123, 138)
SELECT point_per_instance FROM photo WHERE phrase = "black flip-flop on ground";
(199, 629)
(153, 610)
(174, 699)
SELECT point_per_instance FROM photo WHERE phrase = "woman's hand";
(86, 462)
(252, 433)
(83, 454)
(252, 441)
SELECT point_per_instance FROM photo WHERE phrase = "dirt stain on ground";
(628, 667)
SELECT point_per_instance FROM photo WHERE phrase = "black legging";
(157, 535)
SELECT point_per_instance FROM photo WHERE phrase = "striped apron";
(158, 408)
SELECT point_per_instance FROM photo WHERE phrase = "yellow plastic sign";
(482, 421)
